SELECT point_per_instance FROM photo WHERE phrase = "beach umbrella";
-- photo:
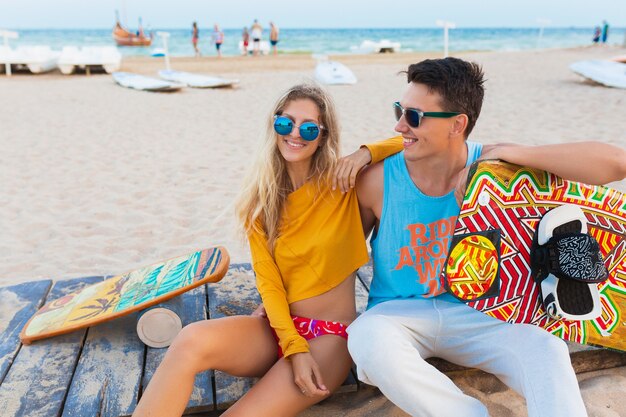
(446, 26)
(164, 36)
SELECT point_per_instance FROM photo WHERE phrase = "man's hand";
(307, 375)
(260, 311)
(348, 167)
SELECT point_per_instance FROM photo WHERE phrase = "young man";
(274, 37)
(410, 200)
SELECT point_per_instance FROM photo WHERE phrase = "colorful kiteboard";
(127, 293)
(489, 260)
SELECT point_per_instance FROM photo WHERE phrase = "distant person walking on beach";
(596, 34)
(256, 31)
(217, 37)
(245, 41)
(195, 36)
(605, 31)
(274, 37)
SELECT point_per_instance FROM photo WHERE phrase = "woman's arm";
(349, 166)
(274, 296)
(306, 372)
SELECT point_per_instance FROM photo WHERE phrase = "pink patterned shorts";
(310, 329)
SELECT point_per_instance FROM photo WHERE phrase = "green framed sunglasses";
(414, 117)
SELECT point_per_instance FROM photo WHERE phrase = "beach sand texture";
(97, 179)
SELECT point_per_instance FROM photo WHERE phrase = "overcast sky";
(25, 14)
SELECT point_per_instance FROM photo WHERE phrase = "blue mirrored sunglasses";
(414, 117)
(309, 131)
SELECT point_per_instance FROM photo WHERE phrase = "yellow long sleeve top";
(320, 243)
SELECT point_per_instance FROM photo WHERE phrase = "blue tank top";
(413, 236)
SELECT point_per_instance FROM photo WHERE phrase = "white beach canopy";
(543, 22)
(446, 26)
(164, 36)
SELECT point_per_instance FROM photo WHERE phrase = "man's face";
(431, 136)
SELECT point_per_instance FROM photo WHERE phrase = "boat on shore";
(123, 37)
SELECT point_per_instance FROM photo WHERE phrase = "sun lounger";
(6, 57)
(87, 57)
(37, 58)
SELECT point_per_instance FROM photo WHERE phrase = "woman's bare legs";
(277, 395)
(238, 345)
(243, 346)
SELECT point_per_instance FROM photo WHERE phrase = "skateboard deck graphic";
(510, 200)
(127, 293)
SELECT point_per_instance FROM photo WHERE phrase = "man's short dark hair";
(458, 82)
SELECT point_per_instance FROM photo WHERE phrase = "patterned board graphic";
(472, 268)
(124, 294)
(511, 200)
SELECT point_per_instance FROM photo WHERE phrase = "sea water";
(332, 41)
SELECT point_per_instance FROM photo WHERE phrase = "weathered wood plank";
(361, 293)
(589, 358)
(108, 374)
(236, 294)
(37, 382)
(191, 307)
(365, 274)
(19, 303)
(350, 384)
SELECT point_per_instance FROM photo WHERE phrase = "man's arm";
(589, 162)
(370, 191)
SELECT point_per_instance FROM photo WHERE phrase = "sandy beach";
(97, 179)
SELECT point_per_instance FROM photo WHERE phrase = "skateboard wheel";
(158, 327)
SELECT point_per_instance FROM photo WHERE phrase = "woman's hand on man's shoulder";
(348, 168)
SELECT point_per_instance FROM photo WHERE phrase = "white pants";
(390, 342)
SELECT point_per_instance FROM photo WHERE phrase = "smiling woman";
(306, 241)
(300, 105)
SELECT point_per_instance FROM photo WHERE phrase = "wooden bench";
(101, 371)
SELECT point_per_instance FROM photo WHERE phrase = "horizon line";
(318, 28)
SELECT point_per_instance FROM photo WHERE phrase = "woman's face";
(291, 146)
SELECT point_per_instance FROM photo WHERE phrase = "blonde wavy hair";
(260, 205)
